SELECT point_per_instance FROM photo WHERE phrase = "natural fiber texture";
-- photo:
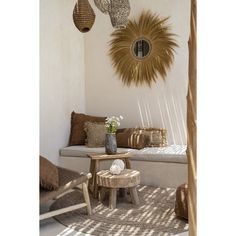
(119, 11)
(152, 29)
(83, 16)
(102, 5)
(154, 216)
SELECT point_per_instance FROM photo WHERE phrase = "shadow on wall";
(168, 114)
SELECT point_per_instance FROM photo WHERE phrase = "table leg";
(112, 198)
(134, 195)
(101, 194)
(91, 180)
(95, 187)
(127, 163)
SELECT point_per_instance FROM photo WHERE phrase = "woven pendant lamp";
(102, 5)
(83, 16)
(118, 10)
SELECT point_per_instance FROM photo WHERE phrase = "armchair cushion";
(49, 178)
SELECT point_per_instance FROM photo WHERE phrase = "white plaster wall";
(61, 74)
(164, 105)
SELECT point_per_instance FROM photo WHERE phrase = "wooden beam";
(191, 123)
(61, 211)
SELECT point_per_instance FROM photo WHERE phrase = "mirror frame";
(132, 70)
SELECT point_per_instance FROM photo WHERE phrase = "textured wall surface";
(164, 105)
(61, 74)
(76, 74)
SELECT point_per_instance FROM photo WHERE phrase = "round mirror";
(144, 50)
(141, 48)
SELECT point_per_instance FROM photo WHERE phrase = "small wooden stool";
(94, 167)
(128, 178)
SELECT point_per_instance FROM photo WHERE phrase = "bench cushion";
(172, 153)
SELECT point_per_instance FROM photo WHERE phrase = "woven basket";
(83, 16)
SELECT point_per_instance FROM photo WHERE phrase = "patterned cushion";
(77, 132)
(141, 137)
(95, 134)
(131, 138)
(157, 137)
(49, 178)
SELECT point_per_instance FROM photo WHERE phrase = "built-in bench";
(159, 166)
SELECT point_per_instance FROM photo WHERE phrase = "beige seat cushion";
(77, 132)
(95, 134)
(49, 178)
(172, 153)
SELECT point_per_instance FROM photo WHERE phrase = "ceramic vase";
(110, 144)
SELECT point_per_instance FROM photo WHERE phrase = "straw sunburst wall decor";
(143, 50)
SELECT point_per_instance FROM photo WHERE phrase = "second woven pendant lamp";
(118, 10)
(83, 16)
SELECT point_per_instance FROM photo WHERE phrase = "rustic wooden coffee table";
(94, 165)
(128, 178)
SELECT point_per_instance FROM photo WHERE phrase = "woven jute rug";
(154, 216)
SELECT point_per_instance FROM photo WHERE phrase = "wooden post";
(191, 124)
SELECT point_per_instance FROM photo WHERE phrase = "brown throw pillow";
(95, 134)
(122, 137)
(49, 178)
(181, 202)
(131, 138)
(77, 132)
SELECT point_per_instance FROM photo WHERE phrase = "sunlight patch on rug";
(154, 216)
